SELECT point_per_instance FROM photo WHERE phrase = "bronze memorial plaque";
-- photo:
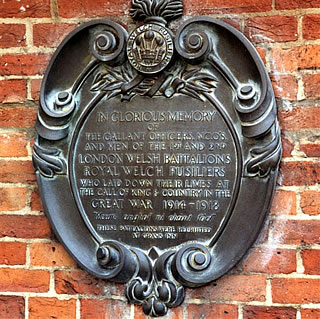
(157, 151)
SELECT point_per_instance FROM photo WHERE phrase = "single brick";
(300, 118)
(310, 313)
(13, 91)
(13, 144)
(12, 253)
(12, 307)
(303, 57)
(296, 4)
(310, 202)
(212, 311)
(271, 261)
(296, 232)
(233, 288)
(285, 86)
(311, 150)
(98, 309)
(17, 172)
(284, 203)
(260, 312)
(308, 57)
(36, 204)
(93, 8)
(299, 173)
(35, 89)
(12, 35)
(287, 147)
(272, 29)
(50, 254)
(295, 290)
(226, 6)
(50, 35)
(45, 308)
(12, 199)
(18, 116)
(24, 226)
(311, 26)
(311, 85)
(25, 9)
(104, 309)
(24, 280)
(23, 64)
(78, 282)
(311, 261)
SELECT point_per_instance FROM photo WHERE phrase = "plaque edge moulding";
(189, 63)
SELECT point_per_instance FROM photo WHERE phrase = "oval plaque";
(151, 148)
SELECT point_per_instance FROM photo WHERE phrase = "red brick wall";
(280, 276)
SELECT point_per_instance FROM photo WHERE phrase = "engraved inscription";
(152, 170)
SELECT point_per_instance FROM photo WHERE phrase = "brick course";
(43, 308)
(13, 91)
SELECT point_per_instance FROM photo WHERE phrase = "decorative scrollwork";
(191, 263)
(153, 287)
(47, 161)
(265, 159)
(108, 45)
(53, 122)
(169, 291)
(255, 105)
(117, 261)
(192, 45)
(140, 288)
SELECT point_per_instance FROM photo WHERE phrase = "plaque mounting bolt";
(64, 102)
(198, 260)
(246, 91)
(63, 96)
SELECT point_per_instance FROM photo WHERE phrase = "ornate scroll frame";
(100, 61)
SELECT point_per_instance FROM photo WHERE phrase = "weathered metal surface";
(156, 154)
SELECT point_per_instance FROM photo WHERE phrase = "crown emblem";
(150, 46)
